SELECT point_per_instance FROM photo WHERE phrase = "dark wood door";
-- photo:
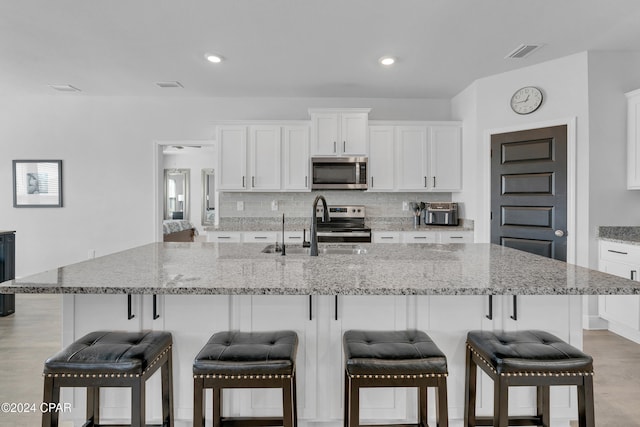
(529, 191)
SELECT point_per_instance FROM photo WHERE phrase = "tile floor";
(28, 337)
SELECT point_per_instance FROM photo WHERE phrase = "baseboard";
(594, 323)
(625, 331)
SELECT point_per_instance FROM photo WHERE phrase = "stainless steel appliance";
(346, 224)
(441, 213)
(338, 173)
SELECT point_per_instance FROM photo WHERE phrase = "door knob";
(559, 233)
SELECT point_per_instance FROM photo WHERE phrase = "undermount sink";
(328, 250)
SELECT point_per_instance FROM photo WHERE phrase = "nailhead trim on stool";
(394, 359)
(111, 359)
(233, 359)
(565, 365)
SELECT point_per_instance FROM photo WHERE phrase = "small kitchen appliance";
(346, 224)
(441, 213)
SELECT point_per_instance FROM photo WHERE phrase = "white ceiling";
(293, 48)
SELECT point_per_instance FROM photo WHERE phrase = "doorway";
(529, 190)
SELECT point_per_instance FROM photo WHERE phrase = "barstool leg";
(500, 402)
(471, 377)
(586, 416)
(354, 403)
(138, 403)
(198, 402)
(167, 391)
(543, 405)
(287, 403)
(217, 406)
(422, 404)
(295, 400)
(50, 395)
(347, 400)
(93, 404)
(442, 407)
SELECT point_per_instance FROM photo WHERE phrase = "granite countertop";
(230, 268)
(622, 234)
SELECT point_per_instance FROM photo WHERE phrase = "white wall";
(109, 158)
(485, 109)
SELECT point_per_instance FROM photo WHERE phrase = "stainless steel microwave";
(338, 173)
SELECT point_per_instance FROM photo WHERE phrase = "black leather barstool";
(526, 358)
(233, 359)
(111, 359)
(394, 359)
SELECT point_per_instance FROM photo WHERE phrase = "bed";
(179, 230)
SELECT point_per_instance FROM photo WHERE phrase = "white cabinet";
(337, 132)
(295, 158)
(261, 236)
(264, 157)
(461, 236)
(622, 311)
(445, 158)
(385, 237)
(633, 140)
(411, 158)
(224, 236)
(429, 158)
(295, 237)
(232, 157)
(419, 237)
(381, 154)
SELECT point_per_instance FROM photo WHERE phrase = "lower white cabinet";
(622, 311)
(224, 236)
(419, 237)
(261, 236)
(465, 236)
(385, 237)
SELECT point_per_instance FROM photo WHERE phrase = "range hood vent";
(523, 51)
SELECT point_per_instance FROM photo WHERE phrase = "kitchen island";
(196, 289)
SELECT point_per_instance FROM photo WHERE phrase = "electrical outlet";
(274, 205)
(240, 206)
(405, 206)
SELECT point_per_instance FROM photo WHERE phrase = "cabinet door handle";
(371, 182)
(224, 237)
(253, 181)
(425, 182)
(130, 314)
(434, 182)
(386, 237)
(633, 274)
(490, 315)
(306, 181)
(514, 316)
(334, 146)
(294, 238)
(344, 146)
(242, 181)
(259, 237)
(155, 307)
(336, 308)
(419, 237)
(310, 307)
(455, 237)
(617, 252)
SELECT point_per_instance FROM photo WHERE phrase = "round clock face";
(526, 100)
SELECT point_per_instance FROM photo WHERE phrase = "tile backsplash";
(299, 204)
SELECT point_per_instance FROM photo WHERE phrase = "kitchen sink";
(328, 250)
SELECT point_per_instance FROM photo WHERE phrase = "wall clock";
(526, 100)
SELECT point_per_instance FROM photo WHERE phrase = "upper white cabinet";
(381, 154)
(264, 157)
(337, 132)
(445, 158)
(429, 158)
(232, 157)
(633, 140)
(296, 158)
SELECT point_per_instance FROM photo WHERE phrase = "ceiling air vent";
(65, 88)
(523, 51)
(168, 84)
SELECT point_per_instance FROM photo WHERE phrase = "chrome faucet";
(313, 251)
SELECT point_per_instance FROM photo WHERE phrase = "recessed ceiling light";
(213, 58)
(169, 84)
(387, 60)
(65, 88)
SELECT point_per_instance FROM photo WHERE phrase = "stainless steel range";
(346, 225)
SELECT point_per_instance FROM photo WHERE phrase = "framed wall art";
(37, 183)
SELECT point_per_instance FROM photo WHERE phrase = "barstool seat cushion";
(529, 351)
(407, 352)
(110, 352)
(248, 353)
